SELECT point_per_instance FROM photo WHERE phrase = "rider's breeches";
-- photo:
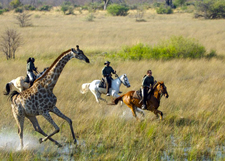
(31, 76)
(108, 84)
(144, 94)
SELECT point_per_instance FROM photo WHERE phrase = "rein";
(120, 80)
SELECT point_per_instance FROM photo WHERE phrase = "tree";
(23, 19)
(10, 41)
(15, 3)
(106, 2)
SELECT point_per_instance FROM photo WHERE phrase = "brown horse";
(133, 102)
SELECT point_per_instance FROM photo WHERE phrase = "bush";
(162, 9)
(29, 7)
(45, 8)
(15, 3)
(175, 47)
(210, 9)
(1, 11)
(117, 10)
(19, 10)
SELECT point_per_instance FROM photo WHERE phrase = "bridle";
(124, 82)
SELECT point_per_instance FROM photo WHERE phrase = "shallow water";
(9, 141)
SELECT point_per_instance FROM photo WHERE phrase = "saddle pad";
(102, 84)
(137, 94)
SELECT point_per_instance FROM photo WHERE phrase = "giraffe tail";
(84, 88)
(14, 93)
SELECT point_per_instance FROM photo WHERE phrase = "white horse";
(20, 83)
(113, 91)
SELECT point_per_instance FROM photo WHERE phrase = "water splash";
(9, 141)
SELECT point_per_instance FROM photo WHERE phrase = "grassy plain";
(194, 122)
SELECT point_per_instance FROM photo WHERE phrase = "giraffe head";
(79, 54)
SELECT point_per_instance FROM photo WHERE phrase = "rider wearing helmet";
(147, 83)
(30, 69)
(106, 72)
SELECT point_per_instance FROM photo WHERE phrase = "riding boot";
(31, 83)
(107, 89)
(144, 94)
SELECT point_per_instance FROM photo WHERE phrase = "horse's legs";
(37, 128)
(156, 112)
(97, 96)
(141, 112)
(115, 95)
(133, 109)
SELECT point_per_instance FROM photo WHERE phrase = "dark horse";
(133, 101)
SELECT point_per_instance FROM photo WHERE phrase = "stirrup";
(143, 107)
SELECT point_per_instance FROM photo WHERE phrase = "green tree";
(15, 3)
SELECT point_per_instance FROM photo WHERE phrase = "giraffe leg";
(60, 114)
(20, 123)
(47, 116)
(37, 128)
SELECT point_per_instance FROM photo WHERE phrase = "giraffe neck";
(49, 80)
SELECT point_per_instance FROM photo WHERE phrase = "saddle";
(27, 80)
(102, 83)
(138, 94)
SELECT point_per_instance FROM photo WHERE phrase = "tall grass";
(194, 122)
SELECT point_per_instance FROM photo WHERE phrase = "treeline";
(208, 9)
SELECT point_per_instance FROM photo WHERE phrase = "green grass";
(194, 122)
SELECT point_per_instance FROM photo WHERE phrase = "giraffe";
(40, 100)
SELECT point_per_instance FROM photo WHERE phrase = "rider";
(106, 72)
(146, 82)
(30, 69)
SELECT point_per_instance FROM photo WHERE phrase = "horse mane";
(156, 83)
(56, 60)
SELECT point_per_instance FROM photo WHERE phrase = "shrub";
(90, 17)
(29, 7)
(45, 8)
(1, 11)
(19, 10)
(175, 47)
(117, 10)
(210, 9)
(15, 3)
(162, 9)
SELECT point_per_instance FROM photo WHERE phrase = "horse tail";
(84, 88)
(14, 93)
(116, 100)
(8, 88)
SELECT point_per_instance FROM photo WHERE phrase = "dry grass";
(193, 127)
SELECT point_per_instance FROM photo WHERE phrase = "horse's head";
(162, 89)
(125, 80)
(79, 54)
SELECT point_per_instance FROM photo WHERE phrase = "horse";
(20, 83)
(135, 103)
(113, 91)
